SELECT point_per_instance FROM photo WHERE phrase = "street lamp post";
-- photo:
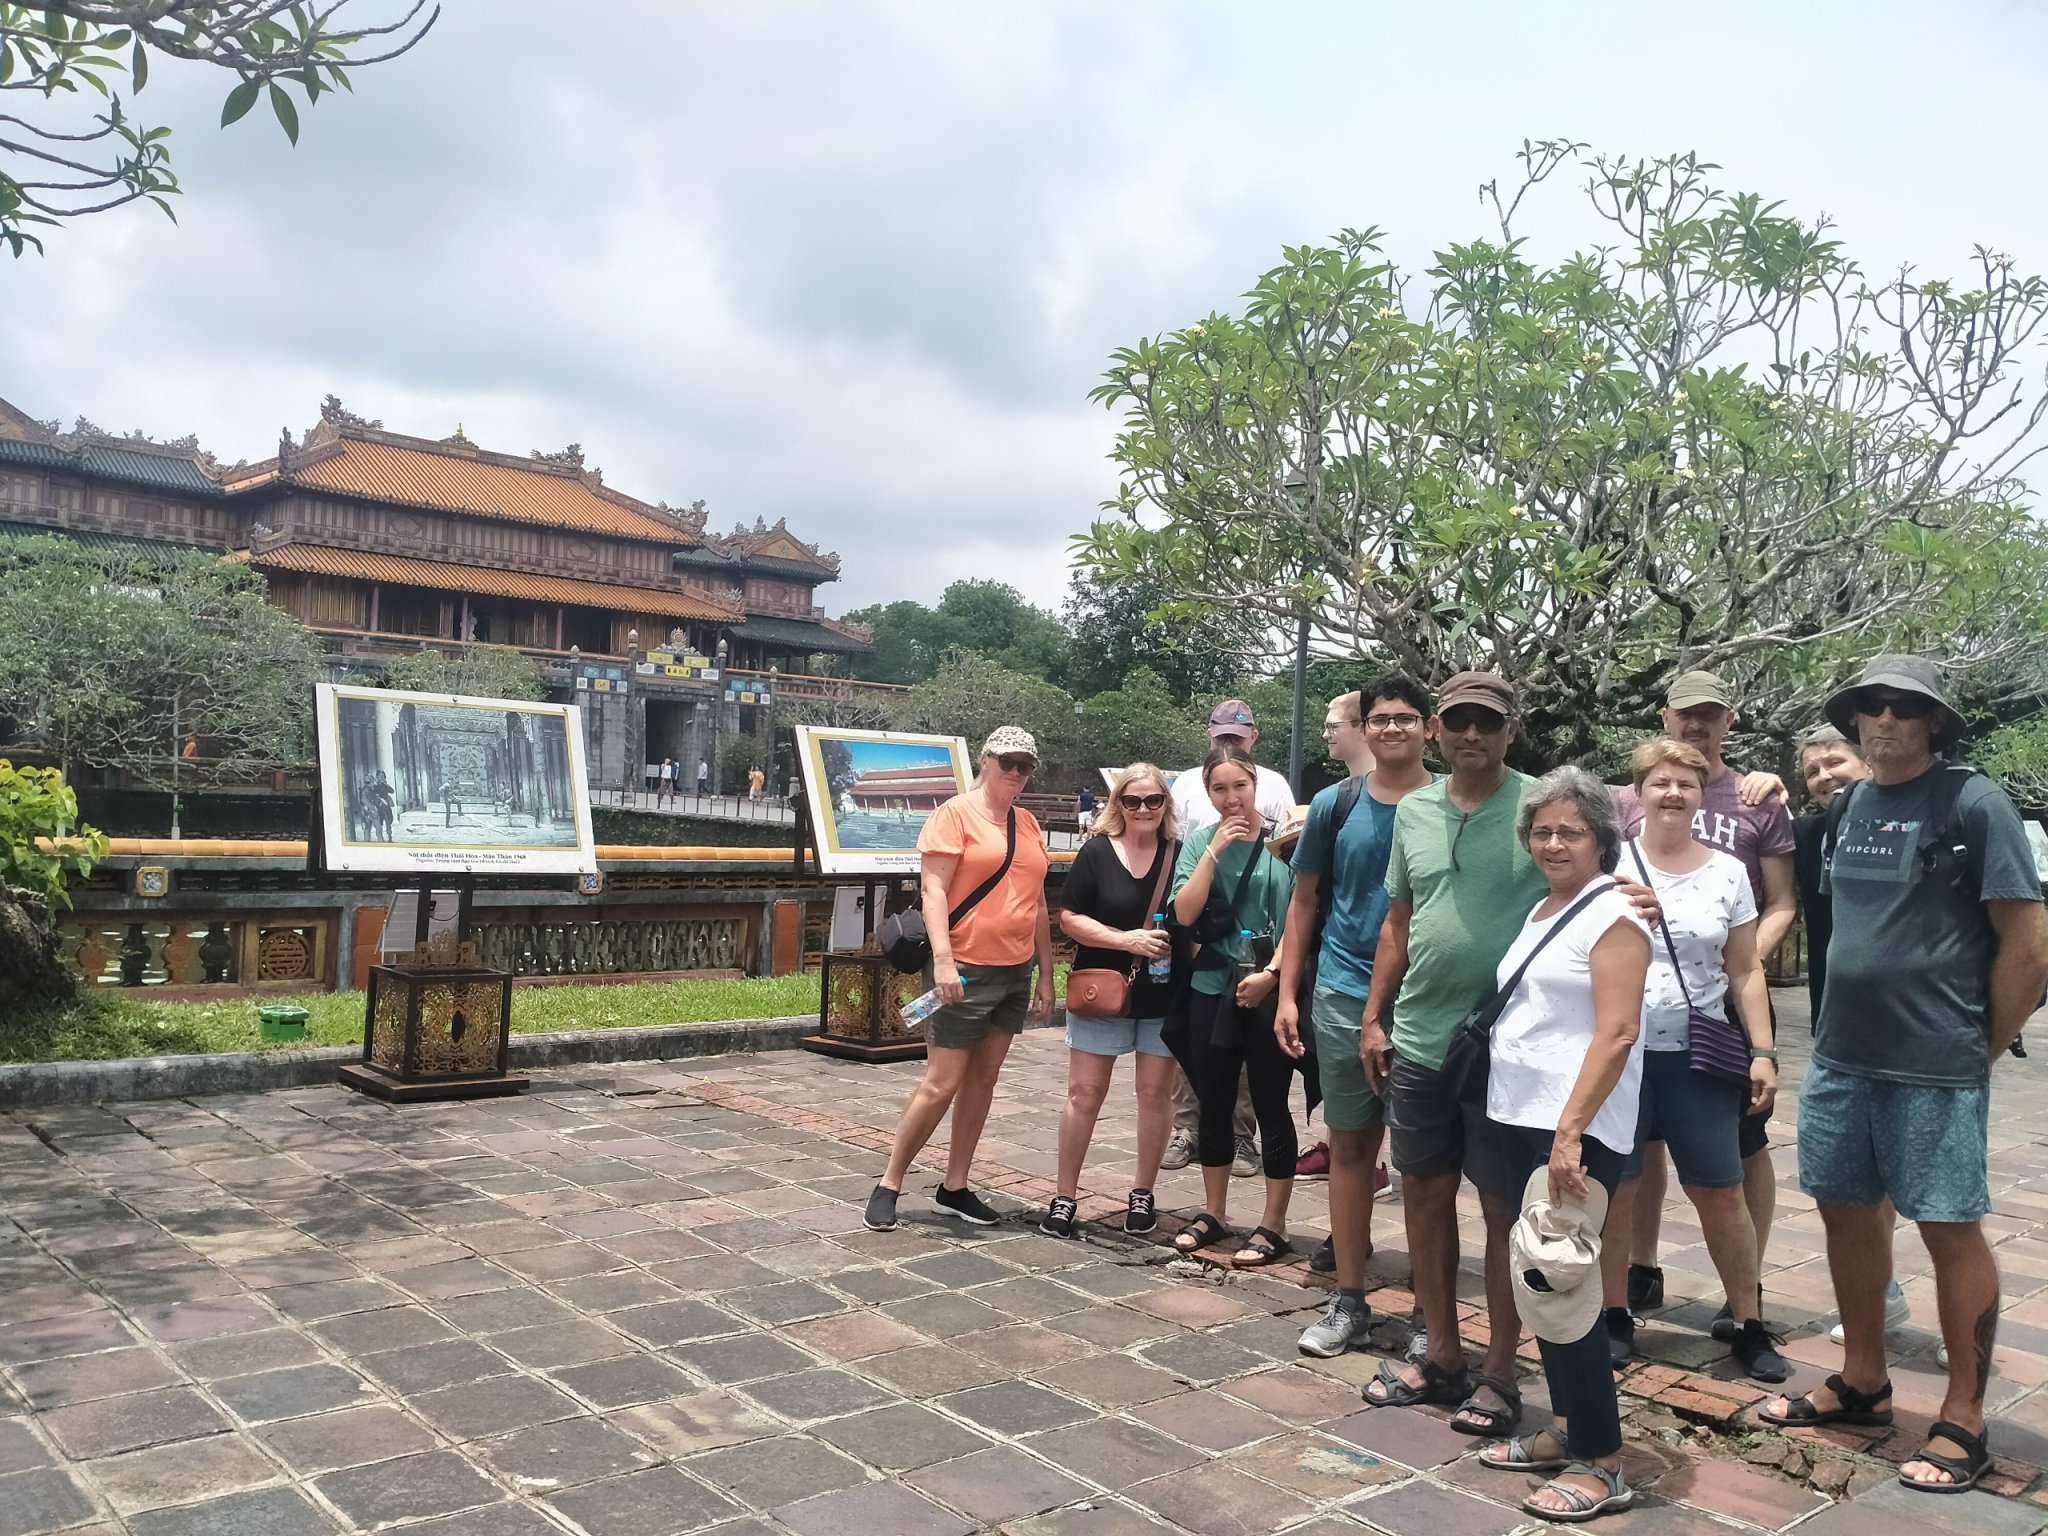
(1296, 487)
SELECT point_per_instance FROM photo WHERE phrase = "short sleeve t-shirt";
(1909, 964)
(1357, 884)
(1752, 833)
(1003, 927)
(1470, 883)
(1099, 886)
(1701, 907)
(1542, 1035)
(1272, 794)
(1263, 909)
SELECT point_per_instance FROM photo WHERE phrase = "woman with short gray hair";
(1562, 1089)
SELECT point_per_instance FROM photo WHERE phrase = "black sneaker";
(1059, 1217)
(965, 1205)
(1756, 1351)
(1141, 1213)
(881, 1211)
(1645, 1287)
(1724, 1326)
(1324, 1260)
(1621, 1335)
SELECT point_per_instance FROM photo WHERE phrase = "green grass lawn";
(104, 1026)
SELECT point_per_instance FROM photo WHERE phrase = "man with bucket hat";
(1939, 953)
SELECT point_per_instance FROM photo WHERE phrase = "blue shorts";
(1927, 1147)
(1349, 1103)
(1699, 1118)
(1115, 1037)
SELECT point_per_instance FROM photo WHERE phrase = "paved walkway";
(639, 1302)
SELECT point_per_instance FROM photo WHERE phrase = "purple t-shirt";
(1752, 833)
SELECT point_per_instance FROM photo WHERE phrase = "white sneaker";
(1246, 1163)
(1941, 1356)
(1897, 1313)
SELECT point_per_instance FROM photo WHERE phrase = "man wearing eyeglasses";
(1459, 886)
(1230, 723)
(1939, 953)
(1340, 892)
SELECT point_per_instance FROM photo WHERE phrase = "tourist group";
(1550, 986)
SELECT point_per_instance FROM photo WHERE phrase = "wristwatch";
(1757, 1053)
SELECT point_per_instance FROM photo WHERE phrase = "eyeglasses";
(1463, 718)
(1142, 802)
(1571, 837)
(1331, 727)
(1904, 706)
(1016, 762)
(1393, 722)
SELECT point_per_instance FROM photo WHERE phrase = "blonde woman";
(1113, 908)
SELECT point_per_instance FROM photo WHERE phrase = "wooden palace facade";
(670, 635)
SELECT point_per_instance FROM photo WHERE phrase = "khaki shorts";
(996, 997)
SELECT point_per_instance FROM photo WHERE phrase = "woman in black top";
(1114, 895)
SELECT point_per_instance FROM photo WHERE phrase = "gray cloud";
(858, 265)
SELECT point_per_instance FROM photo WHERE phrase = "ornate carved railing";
(615, 946)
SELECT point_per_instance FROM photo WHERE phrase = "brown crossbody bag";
(1100, 993)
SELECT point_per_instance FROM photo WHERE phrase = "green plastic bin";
(281, 1021)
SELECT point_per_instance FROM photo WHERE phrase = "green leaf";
(138, 65)
(239, 101)
(287, 114)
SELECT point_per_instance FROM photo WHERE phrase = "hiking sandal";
(1965, 1469)
(1579, 1504)
(1200, 1233)
(1438, 1386)
(1856, 1407)
(1495, 1421)
(1265, 1245)
(1519, 1454)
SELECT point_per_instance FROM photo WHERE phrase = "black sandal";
(1200, 1233)
(1273, 1247)
(1438, 1386)
(1498, 1421)
(1965, 1470)
(1856, 1407)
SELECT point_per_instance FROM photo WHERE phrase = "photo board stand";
(860, 994)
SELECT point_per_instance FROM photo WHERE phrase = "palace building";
(383, 543)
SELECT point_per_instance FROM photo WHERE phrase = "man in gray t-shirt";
(1939, 953)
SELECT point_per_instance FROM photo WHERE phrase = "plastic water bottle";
(1160, 967)
(918, 1009)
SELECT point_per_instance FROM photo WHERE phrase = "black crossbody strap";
(1663, 927)
(1500, 998)
(974, 897)
(1244, 881)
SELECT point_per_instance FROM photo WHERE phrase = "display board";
(869, 793)
(422, 783)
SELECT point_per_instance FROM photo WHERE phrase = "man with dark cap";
(1939, 953)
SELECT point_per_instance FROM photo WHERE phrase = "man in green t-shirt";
(1460, 885)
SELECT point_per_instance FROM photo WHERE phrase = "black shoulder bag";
(1469, 1061)
(903, 939)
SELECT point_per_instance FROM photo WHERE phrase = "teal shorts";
(1927, 1147)
(995, 997)
(1349, 1103)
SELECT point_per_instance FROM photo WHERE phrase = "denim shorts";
(1927, 1147)
(992, 997)
(1698, 1117)
(1115, 1037)
(1349, 1103)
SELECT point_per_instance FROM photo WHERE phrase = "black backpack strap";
(1244, 881)
(974, 897)
(1947, 838)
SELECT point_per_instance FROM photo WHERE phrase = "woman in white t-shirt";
(1703, 958)
(1565, 1077)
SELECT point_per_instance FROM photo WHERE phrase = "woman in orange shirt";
(981, 969)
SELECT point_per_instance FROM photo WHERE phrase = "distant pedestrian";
(668, 780)
(757, 782)
(1084, 810)
(703, 777)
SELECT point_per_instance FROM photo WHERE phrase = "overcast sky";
(858, 264)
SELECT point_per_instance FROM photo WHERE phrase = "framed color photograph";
(419, 783)
(870, 792)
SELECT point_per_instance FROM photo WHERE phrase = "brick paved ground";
(640, 1303)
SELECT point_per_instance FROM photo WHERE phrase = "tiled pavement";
(640, 1303)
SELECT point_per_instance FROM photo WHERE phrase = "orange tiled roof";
(492, 485)
(399, 571)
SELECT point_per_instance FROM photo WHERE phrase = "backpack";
(1947, 846)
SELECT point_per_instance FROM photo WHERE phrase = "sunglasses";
(1142, 802)
(1473, 718)
(1016, 762)
(1904, 706)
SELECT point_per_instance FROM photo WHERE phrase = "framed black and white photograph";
(413, 783)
